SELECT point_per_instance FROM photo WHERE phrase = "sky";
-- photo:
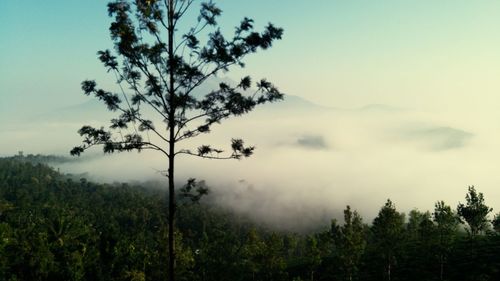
(405, 97)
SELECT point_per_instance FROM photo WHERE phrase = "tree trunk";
(171, 213)
(171, 151)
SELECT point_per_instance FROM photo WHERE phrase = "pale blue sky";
(341, 53)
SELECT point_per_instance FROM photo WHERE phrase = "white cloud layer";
(310, 161)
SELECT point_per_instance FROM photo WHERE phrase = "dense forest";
(56, 227)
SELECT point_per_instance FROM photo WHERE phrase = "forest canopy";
(56, 227)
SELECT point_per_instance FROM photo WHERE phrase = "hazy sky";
(424, 54)
(432, 66)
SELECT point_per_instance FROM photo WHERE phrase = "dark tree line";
(53, 227)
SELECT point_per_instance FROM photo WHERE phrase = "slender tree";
(350, 242)
(312, 255)
(417, 255)
(496, 223)
(446, 225)
(254, 253)
(388, 236)
(158, 68)
(474, 212)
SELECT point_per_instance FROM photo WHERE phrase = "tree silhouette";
(388, 235)
(350, 241)
(446, 224)
(474, 213)
(496, 223)
(158, 70)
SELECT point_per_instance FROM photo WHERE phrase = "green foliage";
(312, 254)
(496, 223)
(446, 225)
(161, 66)
(59, 229)
(350, 243)
(418, 257)
(388, 237)
(474, 212)
(54, 228)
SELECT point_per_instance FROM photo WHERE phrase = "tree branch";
(188, 152)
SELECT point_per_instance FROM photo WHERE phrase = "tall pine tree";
(158, 68)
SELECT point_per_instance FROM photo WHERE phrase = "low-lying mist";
(311, 161)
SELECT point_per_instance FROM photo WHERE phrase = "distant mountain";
(292, 103)
(380, 107)
(94, 111)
